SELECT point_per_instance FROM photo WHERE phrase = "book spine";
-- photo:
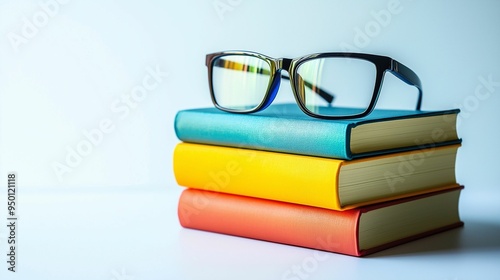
(277, 176)
(279, 222)
(296, 136)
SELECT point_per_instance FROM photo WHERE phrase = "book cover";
(315, 181)
(355, 232)
(284, 128)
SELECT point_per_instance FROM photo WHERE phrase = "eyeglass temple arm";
(408, 76)
(328, 97)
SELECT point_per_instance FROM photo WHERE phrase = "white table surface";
(133, 233)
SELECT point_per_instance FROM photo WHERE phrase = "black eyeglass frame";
(382, 64)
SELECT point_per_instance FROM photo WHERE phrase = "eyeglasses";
(325, 85)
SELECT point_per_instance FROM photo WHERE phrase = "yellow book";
(315, 181)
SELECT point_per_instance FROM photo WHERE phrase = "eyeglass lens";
(350, 81)
(240, 82)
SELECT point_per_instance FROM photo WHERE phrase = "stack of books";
(346, 186)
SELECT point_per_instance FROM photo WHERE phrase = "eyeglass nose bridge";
(284, 63)
(281, 64)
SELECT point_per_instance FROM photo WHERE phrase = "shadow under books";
(474, 236)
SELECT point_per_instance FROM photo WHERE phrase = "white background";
(65, 65)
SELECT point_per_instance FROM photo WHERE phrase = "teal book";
(285, 128)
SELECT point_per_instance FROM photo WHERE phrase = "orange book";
(355, 232)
